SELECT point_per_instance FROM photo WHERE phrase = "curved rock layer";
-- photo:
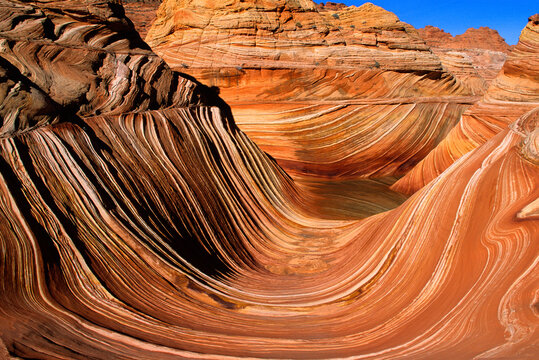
(514, 92)
(168, 234)
(475, 57)
(347, 140)
(61, 59)
(275, 62)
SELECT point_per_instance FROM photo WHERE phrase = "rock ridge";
(297, 69)
(159, 230)
(105, 55)
(513, 93)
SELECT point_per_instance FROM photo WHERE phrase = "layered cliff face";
(271, 33)
(514, 92)
(328, 94)
(164, 232)
(330, 6)
(480, 38)
(474, 57)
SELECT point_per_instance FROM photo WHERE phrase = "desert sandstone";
(513, 93)
(474, 57)
(138, 221)
(327, 94)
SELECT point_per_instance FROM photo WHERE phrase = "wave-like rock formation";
(60, 59)
(164, 232)
(353, 93)
(514, 92)
(474, 57)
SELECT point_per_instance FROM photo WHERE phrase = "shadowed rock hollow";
(142, 13)
(157, 229)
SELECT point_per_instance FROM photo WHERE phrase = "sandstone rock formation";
(330, 6)
(142, 13)
(327, 94)
(474, 57)
(480, 38)
(62, 59)
(514, 92)
(163, 232)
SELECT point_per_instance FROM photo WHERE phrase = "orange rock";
(164, 232)
(481, 38)
(474, 57)
(84, 67)
(327, 94)
(330, 6)
(514, 92)
(142, 13)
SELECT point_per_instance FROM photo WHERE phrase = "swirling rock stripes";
(280, 54)
(86, 60)
(169, 234)
(345, 140)
(118, 267)
(514, 92)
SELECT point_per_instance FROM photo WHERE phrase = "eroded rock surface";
(514, 92)
(334, 93)
(142, 13)
(80, 60)
(164, 232)
(474, 57)
(481, 38)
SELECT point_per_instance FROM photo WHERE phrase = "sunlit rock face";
(329, 94)
(164, 232)
(330, 6)
(475, 57)
(480, 38)
(514, 92)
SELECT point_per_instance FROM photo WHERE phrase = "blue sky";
(509, 17)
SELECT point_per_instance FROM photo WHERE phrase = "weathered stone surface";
(167, 234)
(475, 57)
(328, 94)
(85, 58)
(514, 92)
(481, 38)
(330, 6)
(283, 34)
(142, 13)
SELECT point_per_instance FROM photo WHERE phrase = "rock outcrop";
(164, 232)
(474, 57)
(142, 13)
(284, 34)
(482, 38)
(327, 94)
(514, 92)
(63, 59)
(330, 6)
